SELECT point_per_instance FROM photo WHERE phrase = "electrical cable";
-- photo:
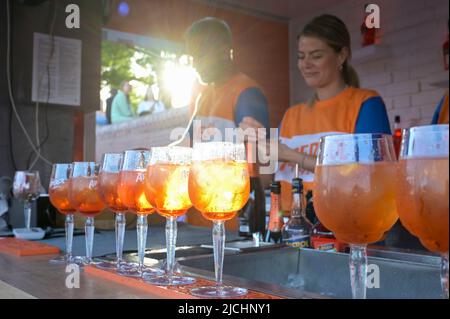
(8, 76)
(10, 117)
(186, 130)
(52, 51)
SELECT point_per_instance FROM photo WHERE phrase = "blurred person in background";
(150, 105)
(121, 108)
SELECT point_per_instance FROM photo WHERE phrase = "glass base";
(168, 281)
(63, 259)
(176, 267)
(60, 260)
(219, 292)
(86, 261)
(80, 261)
(107, 265)
(132, 270)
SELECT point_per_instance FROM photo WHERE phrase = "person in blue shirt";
(338, 106)
(229, 95)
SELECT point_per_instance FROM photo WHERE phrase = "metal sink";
(311, 273)
(155, 256)
(308, 273)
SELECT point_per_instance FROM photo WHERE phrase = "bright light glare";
(155, 91)
(179, 77)
(139, 88)
(104, 95)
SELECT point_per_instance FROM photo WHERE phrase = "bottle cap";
(397, 119)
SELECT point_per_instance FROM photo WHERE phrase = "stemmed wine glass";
(27, 187)
(422, 198)
(219, 186)
(132, 195)
(84, 195)
(108, 182)
(58, 192)
(354, 194)
(166, 185)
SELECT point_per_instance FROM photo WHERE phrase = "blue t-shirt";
(373, 117)
(252, 103)
(437, 112)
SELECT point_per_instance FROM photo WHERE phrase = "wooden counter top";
(35, 277)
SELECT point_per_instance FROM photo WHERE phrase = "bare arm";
(306, 162)
(285, 154)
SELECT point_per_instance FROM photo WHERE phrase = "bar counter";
(268, 271)
(36, 277)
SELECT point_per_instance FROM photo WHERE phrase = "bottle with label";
(252, 217)
(321, 237)
(397, 138)
(297, 231)
(276, 214)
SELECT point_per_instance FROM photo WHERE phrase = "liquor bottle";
(321, 238)
(252, 217)
(276, 214)
(310, 213)
(297, 231)
(397, 138)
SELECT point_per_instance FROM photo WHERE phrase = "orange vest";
(216, 104)
(215, 109)
(303, 126)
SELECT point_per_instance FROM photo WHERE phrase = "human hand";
(254, 129)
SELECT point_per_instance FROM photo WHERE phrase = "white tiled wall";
(406, 63)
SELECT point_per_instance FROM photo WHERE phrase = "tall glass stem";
(120, 234)
(169, 279)
(219, 247)
(27, 214)
(171, 241)
(69, 236)
(444, 275)
(89, 234)
(358, 270)
(141, 228)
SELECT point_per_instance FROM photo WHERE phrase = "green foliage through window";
(117, 66)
